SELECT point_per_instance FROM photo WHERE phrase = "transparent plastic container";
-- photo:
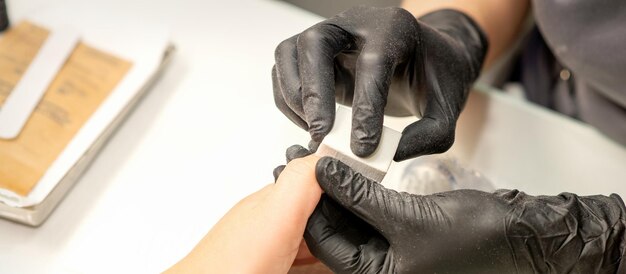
(437, 173)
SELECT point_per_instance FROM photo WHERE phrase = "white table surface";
(205, 136)
(208, 134)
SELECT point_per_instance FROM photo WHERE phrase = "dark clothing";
(588, 39)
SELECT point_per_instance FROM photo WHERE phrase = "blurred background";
(328, 8)
(208, 133)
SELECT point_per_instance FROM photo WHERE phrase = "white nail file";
(337, 145)
(27, 93)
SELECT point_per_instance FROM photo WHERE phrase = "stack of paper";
(60, 99)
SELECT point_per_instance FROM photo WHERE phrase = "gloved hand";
(361, 227)
(292, 152)
(381, 60)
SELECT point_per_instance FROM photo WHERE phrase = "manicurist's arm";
(500, 20)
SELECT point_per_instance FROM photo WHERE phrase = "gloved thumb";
(427, 136)
(365, 198)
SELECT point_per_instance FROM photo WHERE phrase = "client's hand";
(263, 232)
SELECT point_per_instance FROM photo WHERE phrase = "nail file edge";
(337, 145)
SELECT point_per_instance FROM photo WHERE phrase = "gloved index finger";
(286, 81)
(281, 101)
(316, 49)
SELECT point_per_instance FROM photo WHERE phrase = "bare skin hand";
(263, 232)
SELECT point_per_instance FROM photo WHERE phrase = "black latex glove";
(361, 227)
(293, 152)
(381, 60)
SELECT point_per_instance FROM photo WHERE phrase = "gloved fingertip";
(277, 171)
(408, 147)
(316, 135)
(296, 151)
(363, 149)
(328, 172)
(319, 129)
(295, 148)
(365, 136)
(313, 146)
(400, 155)
(322, 167)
